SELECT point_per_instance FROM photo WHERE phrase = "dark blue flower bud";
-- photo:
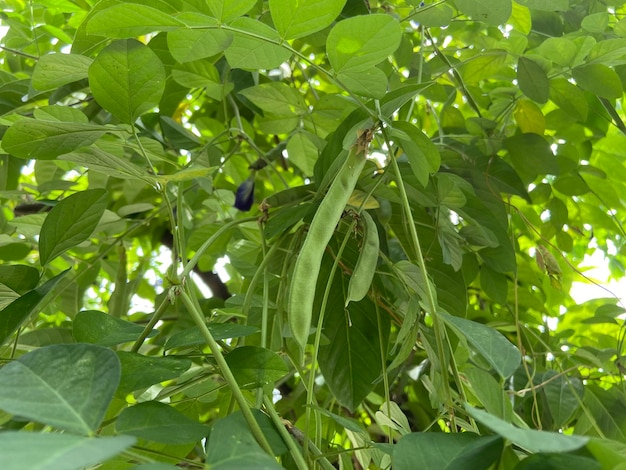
(245, 195)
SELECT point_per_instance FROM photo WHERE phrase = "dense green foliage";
(145, 142)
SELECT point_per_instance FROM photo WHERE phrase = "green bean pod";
(363, 273)
(307, 266)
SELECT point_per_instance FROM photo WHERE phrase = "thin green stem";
(156, 316)
(225, 370)
(294, 449)
(438, 327)
(223, 229)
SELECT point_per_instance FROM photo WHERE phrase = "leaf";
(277, 98)
(19, 277)
(70, 223)
(158, 422)
(531, 156)
(302, 153)
(18, 311)
(248, 52)
(188, 45)
(295, 19)
(533, 80)
(599, 80)
(350, 361)
(463, 451)
(529, 117)
(140, 371)
(255, 367)
(92, 326)
(371, 83)
(127, 79)
(563, 395)
(227, 10)
(193, 336)
(231, 445)
(53, 451)
(489, 392)
(32, 138)
(492, 12)
(422, 154)
(495, 348)
(68, 386)
(561, 51)
(529, 439)
(196, 74)
(359, 43)
(129, 20)
(483, 66)
(569, 98)
(52, 71)
(107, 163)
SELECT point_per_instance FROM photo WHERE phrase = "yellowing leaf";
(529, 117)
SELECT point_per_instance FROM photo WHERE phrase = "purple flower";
(245, 195)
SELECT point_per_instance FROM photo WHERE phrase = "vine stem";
(438, 327)
(225, 370)
(295, 451)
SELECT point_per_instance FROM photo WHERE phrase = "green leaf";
(494, 284)
(140, 371)
(569, 98)
(53, 451)
(295, 19)
(529, 439)
(68, 386)
(483, 66)
(92, 326)
(19, 277)
(231, 445)
(533, 80)
(608, 452)
(422, 154)
(227, 10)
(492, 12)
(350, 361)
(463, 451)
(70, 223)
(302, 152)
(561, 51)
(158, 422)
(107, 163)
(495, 348)
(248, 52)
(52, 71)
(359, 43)
(255, 367)
(545, 5)
(371, 83)
(563, 395)
(276, 98)
(187, 45)
(193, 336)
(531, 156)
(596, 22)
(128, 20)
(599, 80)
(127, 79)
(489, 392)
(196, 74)
(32, 138)
(18, 311)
